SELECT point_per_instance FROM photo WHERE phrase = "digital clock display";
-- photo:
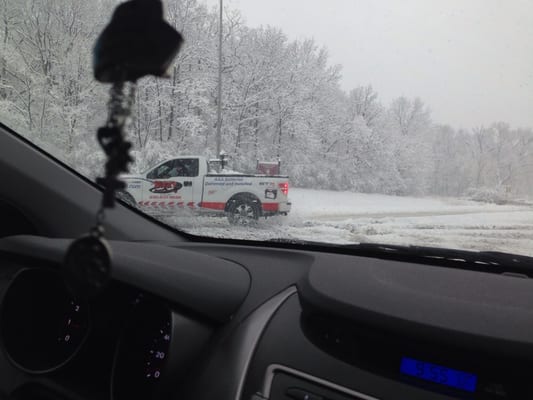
(439, 374)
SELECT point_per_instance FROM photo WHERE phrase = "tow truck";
(189, 182)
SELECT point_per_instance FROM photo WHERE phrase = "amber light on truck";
(284, 188)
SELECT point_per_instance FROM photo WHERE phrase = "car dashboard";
(206, 320)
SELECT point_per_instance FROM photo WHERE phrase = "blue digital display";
(439, 374)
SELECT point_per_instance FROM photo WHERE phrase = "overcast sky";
(470, 61)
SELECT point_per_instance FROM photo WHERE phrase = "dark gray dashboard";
(156, 269)
(333, 325)
(413, 299)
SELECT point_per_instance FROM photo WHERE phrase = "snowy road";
(343, 217)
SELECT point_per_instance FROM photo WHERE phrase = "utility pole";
(219, 101)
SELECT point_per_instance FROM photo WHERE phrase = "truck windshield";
(397, 122)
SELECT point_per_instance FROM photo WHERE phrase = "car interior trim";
(251, 331)
(274, 368)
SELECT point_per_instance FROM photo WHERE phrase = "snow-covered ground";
(345, 217)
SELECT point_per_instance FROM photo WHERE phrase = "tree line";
(281, 99)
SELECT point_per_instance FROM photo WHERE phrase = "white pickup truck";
(187, 183)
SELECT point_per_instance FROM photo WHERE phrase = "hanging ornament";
(136, 43)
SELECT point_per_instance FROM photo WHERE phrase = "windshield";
(341, 121)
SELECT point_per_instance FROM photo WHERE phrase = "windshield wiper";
(486, 261)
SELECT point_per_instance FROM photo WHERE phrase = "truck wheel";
(243, 212)
(126, 198)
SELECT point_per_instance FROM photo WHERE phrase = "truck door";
(171, 184)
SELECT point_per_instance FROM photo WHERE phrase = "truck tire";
(243, 211)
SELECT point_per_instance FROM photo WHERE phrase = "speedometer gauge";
(157, 348)
(157, 351)
(143, 352)
(42, 325)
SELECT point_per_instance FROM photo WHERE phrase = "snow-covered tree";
(281, 98)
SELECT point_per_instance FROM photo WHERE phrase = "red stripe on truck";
(213, 205)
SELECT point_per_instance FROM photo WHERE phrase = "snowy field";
(344, 217)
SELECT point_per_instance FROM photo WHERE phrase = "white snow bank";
(309, 203)
(344, 217)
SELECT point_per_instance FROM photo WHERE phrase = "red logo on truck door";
(165, 187)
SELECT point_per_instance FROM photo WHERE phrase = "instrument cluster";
(44, 328)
